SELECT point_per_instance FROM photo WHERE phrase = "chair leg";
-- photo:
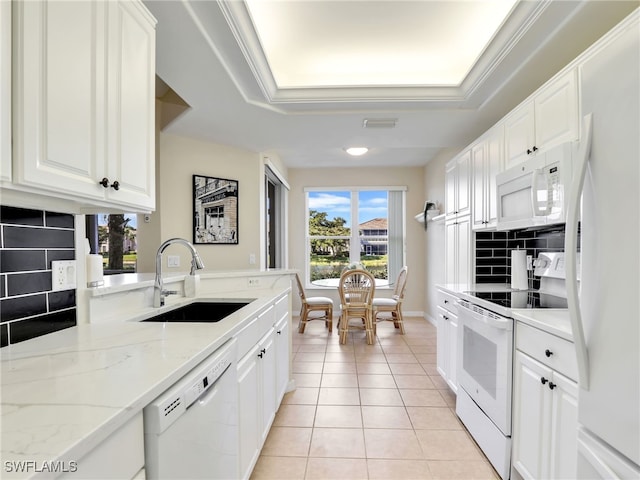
(368, 321)
(343, 331)
(399, 321)
(330, 319)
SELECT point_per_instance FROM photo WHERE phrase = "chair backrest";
(401, 283)
(300, 289)
(356, 288)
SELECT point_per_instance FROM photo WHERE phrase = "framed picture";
(215, 210)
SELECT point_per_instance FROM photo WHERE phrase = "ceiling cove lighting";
(356, 151)
(379, 122)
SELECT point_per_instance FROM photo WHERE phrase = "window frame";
(355, 236)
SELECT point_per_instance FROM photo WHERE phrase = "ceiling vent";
(379, 122)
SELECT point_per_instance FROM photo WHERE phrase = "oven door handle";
(501, 323)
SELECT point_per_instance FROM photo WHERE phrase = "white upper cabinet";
(5, 91)
(457, 185)
(84, 122)
(487, 161)
(549, 118)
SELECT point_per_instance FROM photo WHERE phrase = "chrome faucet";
(159, 293)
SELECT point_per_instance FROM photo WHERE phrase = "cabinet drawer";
(448, 301)
(446, 314)
(554, 352)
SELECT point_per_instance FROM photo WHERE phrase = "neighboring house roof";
(374, 224)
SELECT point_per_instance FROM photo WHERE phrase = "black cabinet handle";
(263, 351)
(260, 355)
(529, 151)
(543, 380)
(535, 149)
(104, 182)
(548, 352)
(552, 385)
(279, 332)
(115, 185)
(446, 301)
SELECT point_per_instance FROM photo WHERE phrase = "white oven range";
(485, 356)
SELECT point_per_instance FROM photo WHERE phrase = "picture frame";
(215, 211)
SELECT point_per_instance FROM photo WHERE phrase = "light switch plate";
(173, 261)
(63, 275)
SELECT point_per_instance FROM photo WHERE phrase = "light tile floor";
(369, 412)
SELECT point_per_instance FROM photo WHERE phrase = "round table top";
(334, 282)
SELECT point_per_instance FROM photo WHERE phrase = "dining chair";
(356, 289)
(314, 304)
(393, 305)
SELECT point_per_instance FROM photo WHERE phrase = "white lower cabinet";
(447, 339)
(545, 407)
(126, 445)
(263, 376)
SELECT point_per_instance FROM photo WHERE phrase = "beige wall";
(412, 178)
(179, 159)
(434, 239)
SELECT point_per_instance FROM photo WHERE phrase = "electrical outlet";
(252, 259)
(173, 261)
(63, 275)
(529, 262)
(254, 282)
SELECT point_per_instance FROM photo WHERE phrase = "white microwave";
(534, 193)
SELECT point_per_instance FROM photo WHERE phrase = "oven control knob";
(548, 352)
(543, 380)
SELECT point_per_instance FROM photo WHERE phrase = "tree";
(320, 225)
(117, 224)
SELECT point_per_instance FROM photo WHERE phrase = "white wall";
(179, 159)
(353, 177)
(434, 242)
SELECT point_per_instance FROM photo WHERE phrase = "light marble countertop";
(65, 393)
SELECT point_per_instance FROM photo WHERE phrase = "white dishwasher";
(191, 430)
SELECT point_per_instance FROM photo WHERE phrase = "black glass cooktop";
(523, 299)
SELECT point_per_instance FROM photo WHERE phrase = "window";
(357, 225)
(114, 237)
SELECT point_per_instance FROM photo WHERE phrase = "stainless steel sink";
(201, 311)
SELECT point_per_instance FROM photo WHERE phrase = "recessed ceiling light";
(356, 151)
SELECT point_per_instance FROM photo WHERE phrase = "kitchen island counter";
(65, 393)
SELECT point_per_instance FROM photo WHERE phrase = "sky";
(133, 219)
(371, 204)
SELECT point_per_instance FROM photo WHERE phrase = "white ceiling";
(281, 95)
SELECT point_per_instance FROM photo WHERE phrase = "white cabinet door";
(458, 185)
(478, 162)
(457, 250)
(59, 96)
(450, 179)
(519, 134)
(494, 164)
(556, 112)
(548, 119)
(463, 193)
(531, 411)
(452, 352)
(564, 425)
(282, 356)
(83, 102)
(267, 365)
(545, 421)
(131, 159)
(5, 91)
(250, 409)
(447, 346)
(463, 246)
